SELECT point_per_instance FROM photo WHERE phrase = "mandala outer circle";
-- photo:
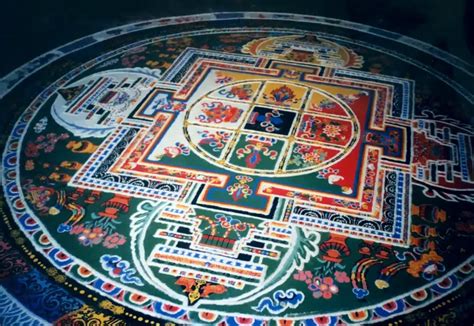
(11, 181)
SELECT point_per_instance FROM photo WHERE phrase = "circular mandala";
(237, 168)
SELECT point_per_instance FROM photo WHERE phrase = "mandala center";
(260, 127)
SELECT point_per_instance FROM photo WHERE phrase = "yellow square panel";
(281, 94)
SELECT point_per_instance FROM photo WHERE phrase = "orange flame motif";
(198, 289)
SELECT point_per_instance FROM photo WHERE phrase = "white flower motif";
(332, 130)
(41, 125)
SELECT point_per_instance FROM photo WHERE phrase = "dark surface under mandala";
(238, 168)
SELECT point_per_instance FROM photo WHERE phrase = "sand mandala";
(236, 169)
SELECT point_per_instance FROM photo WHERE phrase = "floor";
(237, 168)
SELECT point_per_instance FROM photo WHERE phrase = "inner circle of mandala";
(282, 156)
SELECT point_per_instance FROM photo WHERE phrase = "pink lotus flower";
(305, 276)
(114, 240)
(341, 277)
(77, 229)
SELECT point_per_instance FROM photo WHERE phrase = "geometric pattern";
(238, 127)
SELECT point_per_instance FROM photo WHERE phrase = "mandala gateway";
(242, 175)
